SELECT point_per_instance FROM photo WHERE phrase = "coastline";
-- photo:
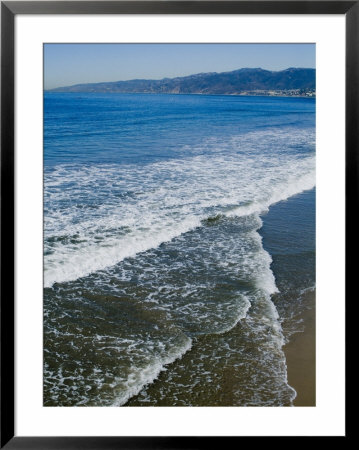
(181, 93)
(288, 236)
(300, 356)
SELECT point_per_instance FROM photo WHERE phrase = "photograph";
(179, 207)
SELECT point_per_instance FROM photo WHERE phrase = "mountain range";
(248, 81)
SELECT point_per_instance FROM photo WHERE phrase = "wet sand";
(300, 354)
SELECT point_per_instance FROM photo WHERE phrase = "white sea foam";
(242, 313)
(140, 376)
(96, 216)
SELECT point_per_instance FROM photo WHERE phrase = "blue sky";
(67, 64)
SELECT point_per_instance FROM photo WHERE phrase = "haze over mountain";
(240, 82)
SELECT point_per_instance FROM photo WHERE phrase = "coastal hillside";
(292, 81)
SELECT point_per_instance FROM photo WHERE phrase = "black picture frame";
(9, 9)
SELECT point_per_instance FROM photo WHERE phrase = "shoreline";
(281, 233)
(181, 93)
(300, 357)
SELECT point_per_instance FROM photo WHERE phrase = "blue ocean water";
(158, 269)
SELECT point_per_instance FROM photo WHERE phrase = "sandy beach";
(300, 354)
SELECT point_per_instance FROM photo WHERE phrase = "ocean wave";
(98, 215)
(173, 198)
(140, 377)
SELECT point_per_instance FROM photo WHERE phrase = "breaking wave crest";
(133, 208)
